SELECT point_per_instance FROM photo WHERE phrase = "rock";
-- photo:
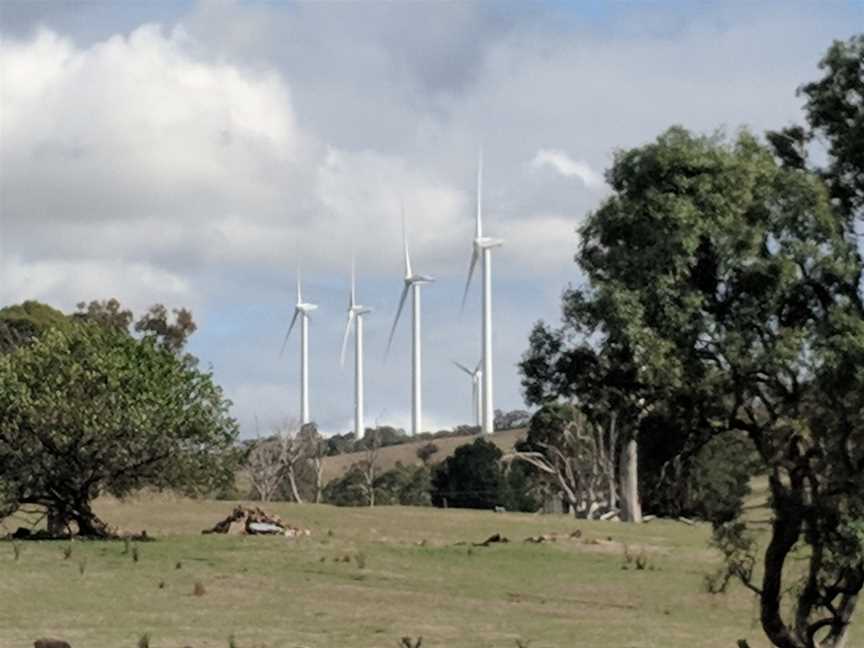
(50, 643)
(264, 528)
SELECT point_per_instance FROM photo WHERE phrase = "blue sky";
(191, 152)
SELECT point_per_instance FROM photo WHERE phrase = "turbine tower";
(483, 248)
(355, 316)
(476, 379)
(301, 310)
(412, 283)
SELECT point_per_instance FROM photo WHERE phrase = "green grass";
(276, 592)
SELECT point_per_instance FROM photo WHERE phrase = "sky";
(195, 153)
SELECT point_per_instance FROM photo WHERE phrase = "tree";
(425, 452)
(23, 323)
(314, 450)
(734, 284)
(92, 410)
(265, 465)
(600, 376)
(511, 420)
(573, 456)
(469, 478)
(368, 466)
(108, 313)
(171, 335)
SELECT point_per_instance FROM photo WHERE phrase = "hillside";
(406, 453)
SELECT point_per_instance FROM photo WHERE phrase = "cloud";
(569, 168)
(193, 162)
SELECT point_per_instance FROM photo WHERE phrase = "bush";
(405, 485)
(470, 478)
(710, 485)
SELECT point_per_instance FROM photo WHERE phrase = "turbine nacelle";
(306, 308)
(487, 243)
(418, 279)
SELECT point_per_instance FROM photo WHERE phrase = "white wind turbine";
(412, 283)
(476, 379)
(355, 316)
(302, 311)
(483, 248)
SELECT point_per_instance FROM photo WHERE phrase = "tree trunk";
(89, 525)
(631, 507)
(610, 458)
(319, 475)
(57, 522)
(293, 483)
(840, 639)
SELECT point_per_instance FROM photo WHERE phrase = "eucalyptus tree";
(725, 284)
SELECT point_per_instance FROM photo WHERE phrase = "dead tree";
(315, 449)
(577, 458)
(271, 461)
(266, 468)
(369, 464)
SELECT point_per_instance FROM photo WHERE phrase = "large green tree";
(732, 282)
(91, 410)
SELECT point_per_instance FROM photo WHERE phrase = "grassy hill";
(406, 453)
(406, 575)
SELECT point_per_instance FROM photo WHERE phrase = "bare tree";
(369, 464)
(575, 456)
(314, 450)
(266, 467)
(275, 459)
(293, 453)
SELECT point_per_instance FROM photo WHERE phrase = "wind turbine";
(476, 379)
(355, 316)
(301, 310)
(482, 247)
(412, 282)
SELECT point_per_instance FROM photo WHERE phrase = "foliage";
(511, 420)
(347, 490)
(93, 411)
(405, 485)
(425, 452)
(731, 281)
(470, 478)
(25, 322)
(710, 483)
(520, 489)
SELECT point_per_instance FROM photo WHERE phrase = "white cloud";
(569, 168)
(191, 165)
(66, 283)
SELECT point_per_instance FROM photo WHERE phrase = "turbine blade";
(479, 362)
(345, 338)
(402, 299)
(464, 368)
(408, 271)
(480, 194)
(470, 274)
(353, 282)
(299, 286)
(288, 334)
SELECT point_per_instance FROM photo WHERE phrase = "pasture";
(367, 577)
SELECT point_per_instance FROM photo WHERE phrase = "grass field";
(274, 592)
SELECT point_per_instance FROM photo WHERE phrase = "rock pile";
(254, 521)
